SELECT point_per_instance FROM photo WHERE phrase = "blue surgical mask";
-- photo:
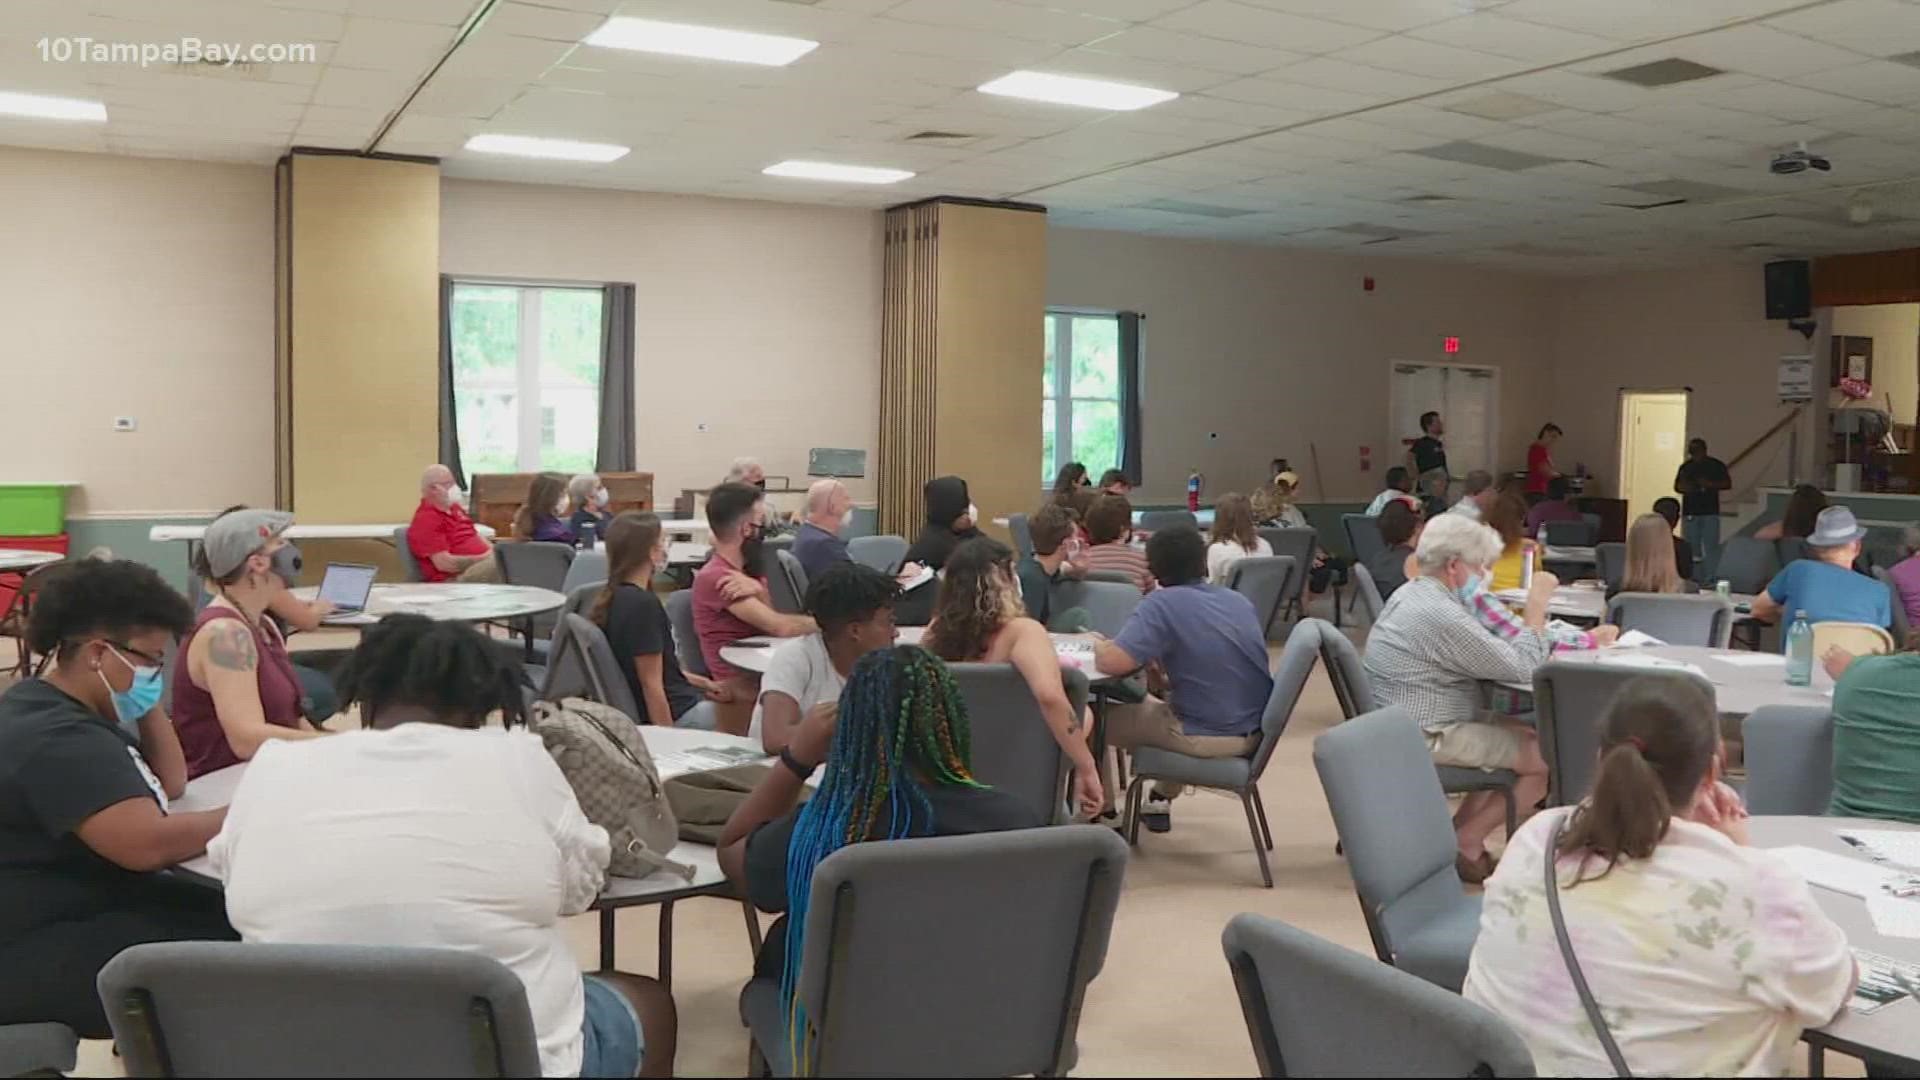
(137, 700)
(1466, 589)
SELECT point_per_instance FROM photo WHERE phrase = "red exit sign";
(1450, 345)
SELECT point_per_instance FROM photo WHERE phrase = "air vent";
(940, 138)
(1490, 157)
(1663, 73)
(1647, 205)
(1911, 59)
(1175, 206)
(1427, 199)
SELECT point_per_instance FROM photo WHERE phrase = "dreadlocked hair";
(902, 726)
(448, 668)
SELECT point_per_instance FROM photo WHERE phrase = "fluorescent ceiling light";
(706, 42)
(825, 170)
(51, 108)
(560, 149)
(1073, 90)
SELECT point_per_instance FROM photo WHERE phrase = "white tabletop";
(687, 553)
(23, 559)
(162, 534)
(1895, 1029)
(755, 653)
(676, 751)
(1742, 681)
(453, 601)
(696, 526)
(1579, 602)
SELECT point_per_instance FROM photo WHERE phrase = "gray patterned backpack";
(605, 761)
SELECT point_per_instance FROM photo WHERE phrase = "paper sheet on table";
(1900, 848)
(1636, 639)
(925, 575)
(704, 759)
(1651, 663)
(1855, 877)
(1751, 659)
(1895, 916)
(1878, 986)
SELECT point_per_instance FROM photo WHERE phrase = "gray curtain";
(449, 428)
(616, 452)
(1130, 434)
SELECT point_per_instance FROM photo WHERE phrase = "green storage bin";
(33, 509)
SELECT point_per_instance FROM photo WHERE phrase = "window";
(1080, 394)
(526, 377)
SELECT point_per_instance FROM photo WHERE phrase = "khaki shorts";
(1475, 744)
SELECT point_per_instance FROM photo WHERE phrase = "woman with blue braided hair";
(897, 765)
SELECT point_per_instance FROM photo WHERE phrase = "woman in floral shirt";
(1706, 957)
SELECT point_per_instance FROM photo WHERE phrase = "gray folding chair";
(1568, 533)
(1239, 775)
(1013, 748)
(37, 1049)
(1024, 918)
(1392, 820)
(587, 568)
(1267, 580)
(1675, 618)
(1115, 577)
(1363, 536)
(1108, 604)
(1901, 626)
(1155, 520)
(1314, 1008)
(228, 1009)
(787, 583)
(583, 665)
(1350, 688)
(1789, 548)
(1299, 545)
(408, 564)
(1570, 704)
(1022, 536)
(1746, 564)
(1789, 754)
(883, 553)
(1366, 591)
(542, 564)
(686, 639)
(1611, 561)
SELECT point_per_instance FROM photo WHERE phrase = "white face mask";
(601, 497)
(456, 497)
(846, 519)
(974, 513)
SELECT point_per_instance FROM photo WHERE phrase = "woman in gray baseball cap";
(236, 688)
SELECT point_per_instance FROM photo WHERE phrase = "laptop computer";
(347, 586)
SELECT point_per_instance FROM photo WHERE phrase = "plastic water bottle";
(1800, 651)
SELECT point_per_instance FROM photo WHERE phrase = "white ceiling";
(1302, 123)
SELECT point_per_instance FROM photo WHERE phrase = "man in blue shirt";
(1207, 660)
(1824, 584)
(818, 545)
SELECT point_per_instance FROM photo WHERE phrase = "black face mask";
(761, 483)
(287, 565)
(752, 549)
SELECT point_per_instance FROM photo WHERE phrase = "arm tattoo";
(232, 648)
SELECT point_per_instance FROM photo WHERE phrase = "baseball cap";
(233, 537)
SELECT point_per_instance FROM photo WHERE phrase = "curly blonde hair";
(978, 596)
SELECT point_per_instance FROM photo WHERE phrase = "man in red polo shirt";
(443, 539)
(730, 598)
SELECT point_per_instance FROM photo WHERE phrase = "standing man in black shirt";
(1427, 460)
(88, 760)
(1699, 483)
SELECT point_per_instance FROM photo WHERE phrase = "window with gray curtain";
(536, 376)
(1090, 392)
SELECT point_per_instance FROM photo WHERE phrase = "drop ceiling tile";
(389, 45)
(1430, 59)
(1093, 64)
(1491, 157)
(1437, 124)
(1287, 95)
(1781, 100)
(541, 21)
(1495, 33)
(1630, 20)
(1013, 20)
(1154, 43)
(438, 12)
(1351, 76)
(896, 35)
(1760, 50)
(1572, 90)
(465, 97)
(503, 58)
(355, 88)
(1877, 81)
(1368, 133)
(1124, 10)
(1884, 122)
(1873, 27)
(1260, 26)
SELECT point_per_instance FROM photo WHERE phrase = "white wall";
(1895, 330)
(1252, 353)
(760, 320)
(137, 287)
(1704, 328)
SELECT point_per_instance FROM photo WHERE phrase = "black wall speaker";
(1789, 289)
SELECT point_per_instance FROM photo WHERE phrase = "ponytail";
(1659, 740)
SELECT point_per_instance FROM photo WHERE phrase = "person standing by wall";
(1427, 459)
(1699, 483)
(1540, 467)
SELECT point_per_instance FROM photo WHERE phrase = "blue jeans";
(615, 1042)
(1703, 534)
(701, 717)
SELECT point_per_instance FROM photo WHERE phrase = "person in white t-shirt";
(1705, 956)
(431, 829)
(1234, 537)
(854, 606)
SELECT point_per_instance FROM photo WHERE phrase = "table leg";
(753, 926)
(606, 938)
(666, 945)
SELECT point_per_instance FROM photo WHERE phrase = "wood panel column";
(962, 349)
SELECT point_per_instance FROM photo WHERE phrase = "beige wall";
(1895, 330)
(137, 287)
(1704, 328)
(760, 320)
(1253, 352)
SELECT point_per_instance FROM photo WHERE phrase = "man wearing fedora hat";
(1824, 585)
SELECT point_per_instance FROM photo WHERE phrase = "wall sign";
(1795, 380)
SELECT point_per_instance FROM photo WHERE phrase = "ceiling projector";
(1798, 160)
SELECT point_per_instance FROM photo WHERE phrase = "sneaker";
(1156, 813)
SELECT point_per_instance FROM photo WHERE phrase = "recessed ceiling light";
(558, 149)
(1073, 90)
(826, 170)
(51, 108)
(705, 42)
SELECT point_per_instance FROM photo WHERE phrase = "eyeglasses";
(152, 661)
